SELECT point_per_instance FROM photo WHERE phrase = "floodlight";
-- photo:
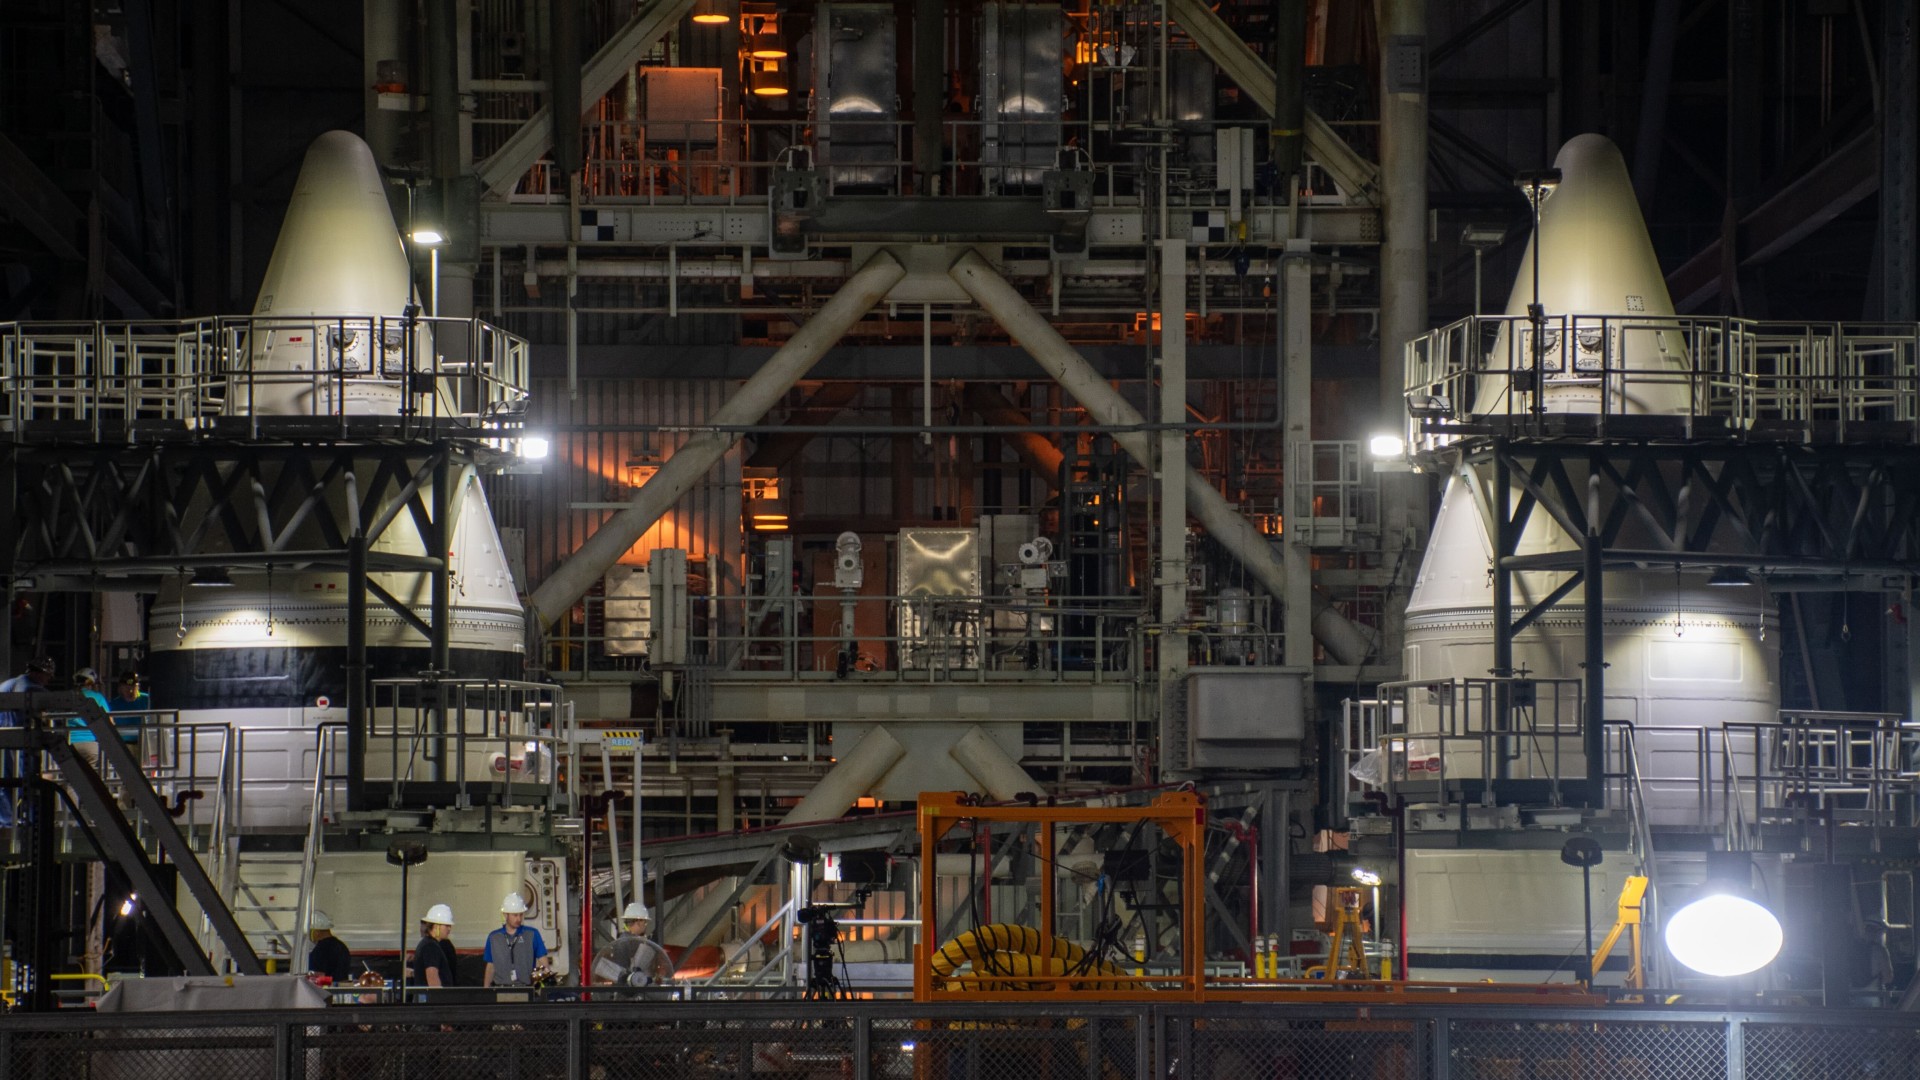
(1724, 935)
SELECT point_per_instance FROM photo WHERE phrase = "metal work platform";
(159, 382)
(1738, 380)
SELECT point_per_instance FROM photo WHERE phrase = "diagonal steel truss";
(128, 517)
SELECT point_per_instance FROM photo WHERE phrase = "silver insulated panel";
(681, 107)
(939, 588)
(855, 107)
(1022, 93)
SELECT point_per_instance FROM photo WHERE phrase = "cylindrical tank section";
(267, 654)
(1681, 655)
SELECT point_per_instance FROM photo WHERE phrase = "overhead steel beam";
(1344, 641)
(690, 462)
(607, 67)
(1800, 209)
(1356, 176)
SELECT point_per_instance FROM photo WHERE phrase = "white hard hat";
(319, 921)
(514, 904)
(636, 910)
(439, 913)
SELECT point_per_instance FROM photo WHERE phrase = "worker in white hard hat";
(433, 958)
(329, 956)
(515, 954)
(633, 959)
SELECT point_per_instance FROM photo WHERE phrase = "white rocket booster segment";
(330, 318)
(268, 654)
(1679, 653)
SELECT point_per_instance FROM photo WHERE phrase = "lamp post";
(431, 239)
(405, 854)
(1537, 186)
(1482, 239)
(1583, 852)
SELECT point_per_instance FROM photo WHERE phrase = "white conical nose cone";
(339, 251)
(1596, 256)
(329, 330)
(1605, 299)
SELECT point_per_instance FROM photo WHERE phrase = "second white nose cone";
(1679, 654)
(1605, 298)
(327, 342)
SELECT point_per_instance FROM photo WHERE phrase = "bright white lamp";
(535, 447)
(1386, 446)
(1724, 935)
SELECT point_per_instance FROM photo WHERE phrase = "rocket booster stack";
(269, 652)
(1678, 652)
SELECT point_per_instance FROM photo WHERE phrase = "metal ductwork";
(690, 462)
(1344, 641)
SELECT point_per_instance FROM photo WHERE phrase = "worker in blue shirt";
(87, 681)
(515, 954)
(127, 704)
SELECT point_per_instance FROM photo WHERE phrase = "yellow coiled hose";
(1006, 949)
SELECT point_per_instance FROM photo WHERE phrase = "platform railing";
(957, 638)
(116, 379)
(1723, 377)
(1045, 1040)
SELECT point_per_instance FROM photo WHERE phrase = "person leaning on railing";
(79, 735)
(126, 705)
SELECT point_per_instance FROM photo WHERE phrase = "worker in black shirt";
(433, 958)
(330, 955)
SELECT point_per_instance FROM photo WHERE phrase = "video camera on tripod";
(823, 933)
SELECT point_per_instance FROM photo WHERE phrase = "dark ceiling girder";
(40, 205)
(1800, 209)
(1472, 31)
(821, 407)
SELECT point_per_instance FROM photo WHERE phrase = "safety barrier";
(861, 1041)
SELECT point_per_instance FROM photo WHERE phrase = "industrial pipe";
(999, 775)
(852, 776)
(690, 462)
(1346, 642)
(1037, 452)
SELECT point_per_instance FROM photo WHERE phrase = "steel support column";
(1170, 457)
(1403, 268)
(1593, 592)
(358, 714)
(1296, 417)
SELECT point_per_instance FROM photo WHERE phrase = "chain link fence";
(1049, 1040)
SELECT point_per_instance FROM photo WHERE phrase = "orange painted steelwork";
(1182, 815)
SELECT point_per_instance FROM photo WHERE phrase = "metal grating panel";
(225, 1053)
(1036, 1048)
(1263, 1049)
(1819, 1052)
(519, 1051)
(641, 1051)
(1585, 1050)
